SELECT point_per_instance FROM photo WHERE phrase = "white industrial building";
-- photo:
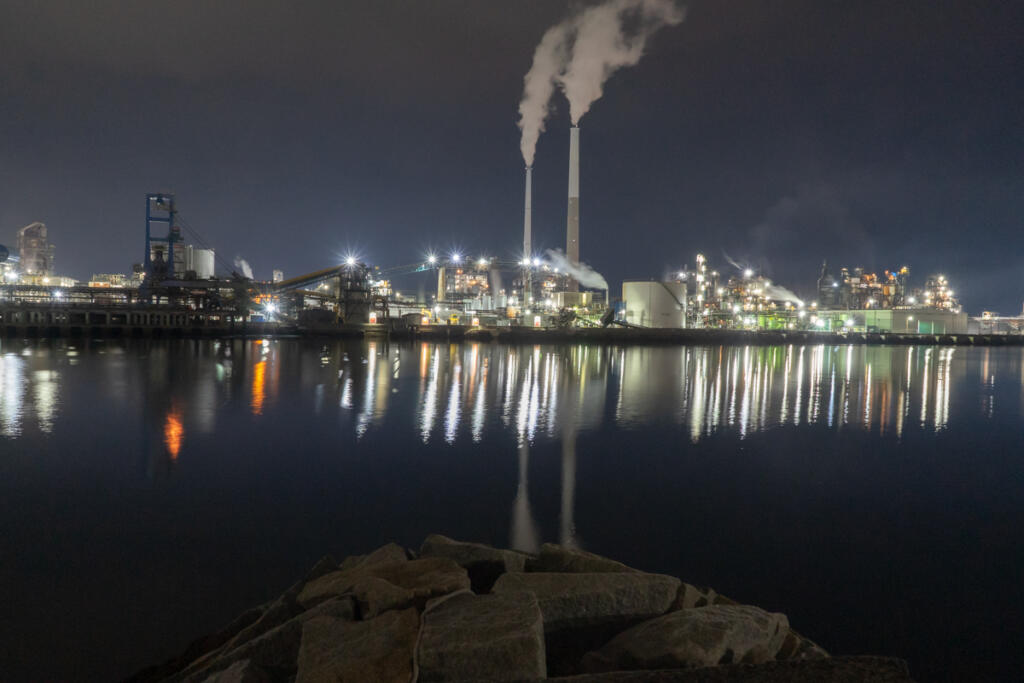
(654, 304)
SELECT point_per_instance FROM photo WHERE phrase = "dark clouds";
(868, 133)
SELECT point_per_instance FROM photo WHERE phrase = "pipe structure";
(572, 223)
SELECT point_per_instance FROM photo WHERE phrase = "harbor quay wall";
(20, 321)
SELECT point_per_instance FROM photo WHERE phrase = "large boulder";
(483, 563)
(702, 636)
(570, 600)
(283, 608)
(583, 611)
(556, 558)
(693, 596)
(380, 649)
(489, 637)
(797, 647)
(277, 649)
(197, 649)
(383, 586)
(392, 552)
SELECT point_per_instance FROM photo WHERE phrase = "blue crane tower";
(160, 209)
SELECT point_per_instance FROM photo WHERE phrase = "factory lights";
(431, 259)
(748, 273)
(456, 257)
(350, 261)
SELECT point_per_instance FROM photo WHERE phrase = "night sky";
(781, 133)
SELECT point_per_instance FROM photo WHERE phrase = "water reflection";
(529, 392)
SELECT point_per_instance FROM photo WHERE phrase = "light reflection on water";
(527, 391)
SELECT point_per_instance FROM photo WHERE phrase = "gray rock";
(200, 648)
(325, 565)
(489, 637)
(276, 649)
(569, 600)
(380, 649)
(694, 596)
(483, 563)
(556, 558)
(796, 647)
(392, 552)
(833, 670)
(284, 608)
(276, 613)
(240, 672)
(702, 636)
(381, 586)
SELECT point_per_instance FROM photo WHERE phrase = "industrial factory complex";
(181, 287)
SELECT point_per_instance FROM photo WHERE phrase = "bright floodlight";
(748, 273)
(431, 258)
(456, 257)
(483, 262)
(536, 261)
(271, 308)
(350, 260)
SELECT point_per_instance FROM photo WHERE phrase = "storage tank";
(654, 304)
(199, 260)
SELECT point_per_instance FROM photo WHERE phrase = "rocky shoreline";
(456, 611)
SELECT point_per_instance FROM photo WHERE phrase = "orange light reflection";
(259, 378)
(174, 433)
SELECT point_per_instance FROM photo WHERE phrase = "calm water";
(149, 492)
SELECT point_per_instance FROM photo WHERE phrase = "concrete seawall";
(681, 337)
(97, 321)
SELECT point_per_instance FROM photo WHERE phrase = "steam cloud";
(581, 53)
(732, 262)
(777, 293)
(539, 85)
(243, 266)
(584, 274)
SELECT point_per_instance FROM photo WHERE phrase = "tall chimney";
(528, 237)
(528, 216)
(572, 224)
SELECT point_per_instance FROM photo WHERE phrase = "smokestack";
(528, 215)
(572, 224)
(528, 236)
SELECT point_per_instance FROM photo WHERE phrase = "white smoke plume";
(732, 262)
(243, 267)
(581, 53)
(584, 274)
(539, 85)
(777, 293)
(608, 37)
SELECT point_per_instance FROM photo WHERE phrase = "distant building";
(860, 290)
(108, 280)
(34, 250)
